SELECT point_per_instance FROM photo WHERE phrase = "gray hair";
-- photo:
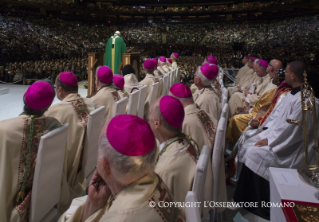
(126, 166)
(157, 114)
(203, 79)
(258, 63)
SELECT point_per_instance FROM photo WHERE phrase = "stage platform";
(11, 103)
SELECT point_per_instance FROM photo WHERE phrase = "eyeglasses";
(270, 65)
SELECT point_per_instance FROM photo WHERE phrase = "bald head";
(277, 64)
(273, 66)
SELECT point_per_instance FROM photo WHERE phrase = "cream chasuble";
(106, 96)
(176, 165)
(131, 83)
(241, 74)
(14, 134)
(246, 79)
(200, 126)
(158, 74)
(133, 204)
(122, 94)
(260, 90)
(193, 88)
(208, 100)
(73, 110)
(159, 68)
(174, 65)
(165, 68)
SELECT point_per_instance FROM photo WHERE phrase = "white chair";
(218, 167)
(165, 85)
(224, 100)
(120, 106)
(178, 77)
(225, 92)
(141, 102)
(200, 174)
(153, 93)
(192, 213)
(225, 111)
(47, 178)
(93, 129)
(133, 102)
(171, 79)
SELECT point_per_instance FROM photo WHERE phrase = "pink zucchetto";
(172, 111)
(118, 81)
(149, 64)
(39, 95)
(263, 63)
(162, 59)
(248, 56)
(130, 135)
(181, 90)
(155, 62)
(210, 71)
(69, 79)
(212, 60)
(105, 74)
(169, 60)
(175, 55)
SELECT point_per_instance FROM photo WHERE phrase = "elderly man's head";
(166, 116)
(273, 66)
(127, 150)
(261, 66)
(103, 77)
(182, 92)
(205, 75)
(38, 98)
(66, 83)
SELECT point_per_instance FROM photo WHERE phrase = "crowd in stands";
(47, 39)
(41, 69)
(171, 9)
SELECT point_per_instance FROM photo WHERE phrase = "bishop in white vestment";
(205, 96)
(19, 144)
(125, 186)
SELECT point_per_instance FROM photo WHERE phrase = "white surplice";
(285, 141)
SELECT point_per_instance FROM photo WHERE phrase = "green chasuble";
(114, 48)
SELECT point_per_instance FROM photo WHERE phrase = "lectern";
(95, 59)
(133, 59)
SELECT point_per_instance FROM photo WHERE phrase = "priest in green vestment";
(114, 48)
